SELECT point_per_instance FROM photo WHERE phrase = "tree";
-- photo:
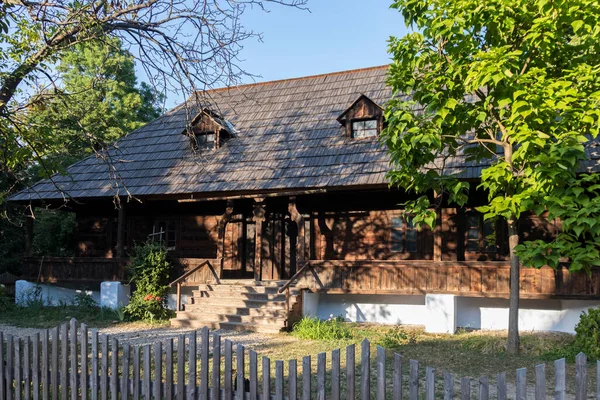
(182, 45)
(514, 83)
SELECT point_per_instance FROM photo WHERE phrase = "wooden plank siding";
(466, 278)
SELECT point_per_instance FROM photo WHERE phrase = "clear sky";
(335, 35)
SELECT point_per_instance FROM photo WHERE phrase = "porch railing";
(73, 269)
(464, 278)
(203, 272)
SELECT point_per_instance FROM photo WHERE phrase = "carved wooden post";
(221, 232)
(29, 231)
(437, 231)
(258, 218)
(300, 243)
(121, 230)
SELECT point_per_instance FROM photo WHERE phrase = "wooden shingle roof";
(288, 138)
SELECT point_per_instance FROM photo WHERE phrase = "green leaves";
(513, 85)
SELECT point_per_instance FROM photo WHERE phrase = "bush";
(149, 272)
(394, 338)
(317, 329)
(84, 300)
(587, 334)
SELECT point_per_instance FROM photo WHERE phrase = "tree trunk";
(513, 310)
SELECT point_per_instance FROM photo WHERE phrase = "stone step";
(229, 310)
(247, 282)
(245, 288)
(252, 319)
(238, 302)
(239, 295)
(230, 326)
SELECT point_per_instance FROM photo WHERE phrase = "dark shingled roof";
(288, 139)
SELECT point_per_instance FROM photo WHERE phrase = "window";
(480, 234)
(364, 129)
(204, 141)
(165, 232)
(404, 235)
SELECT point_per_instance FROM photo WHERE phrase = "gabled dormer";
(208, 130)
(363, 119)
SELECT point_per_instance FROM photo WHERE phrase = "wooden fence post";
(413, 389)
(522, 384)
(104, 367)
(397, 378)
(321, 368)
(580, 377)
(501, 386)
(540, 382)
(484, 388)
(125, 372)
(94, 360)
(380, 373)
(429, 383)
(253, 376)
(465, 389)
(181, 367)
(114, 368)
(74, 364)
(292, 380)
(306, 373)
(169, 369)
(136, 373)
(240, 378)
(365, 360)
(192, 366)
(2, 372)
(350, 372)
(228, 370)
(35, 360)
(266, 372)
(216, 369)
(157, 370)
(560, 387)
(278, 380)
(448, 386)
(83, 351)
(64, 359)
(54, 376)
(335, 374)
(204, 346)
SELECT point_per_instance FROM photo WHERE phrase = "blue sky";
(335, 35)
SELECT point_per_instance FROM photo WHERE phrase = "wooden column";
(437, 235)
(121, 231)
(29, 232)
(258, 218)
(296, 217)
(222, 227)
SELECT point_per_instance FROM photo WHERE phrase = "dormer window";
(209, 131)
(363, 119)
(364, 129)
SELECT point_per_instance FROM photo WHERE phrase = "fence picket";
(64, 360)
(94, 360)
(205, 337)
(157, 370)
(45, 364)
(73, 357)
(180, 367)
(146, 384)
(253, 376)
(306, 373)
(598, 380)
(429, 383)
(136, 373)
(17, 374)
(35, 361)
(540, 382)
(9, 366)
(465, 389)
(54, 376)
(2, 372)
(380, 373)
(397, 378)
(26, 368)
(266, 371)
(560, 387)
(104, 367)
(240, 377)
(278, 380)
(448, 386)
(83, 352)
(501, 386)
(125, 372)
(350, 372)
(321, 368)
(114, 369)
(192, 366)
(484, 388)
(522, 384)
(292, 380)
(365, 360)
(580, 377)
(169, 369)
(413, 390)
(228, 370)
(335, 374)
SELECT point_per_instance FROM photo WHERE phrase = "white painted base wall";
(111, 294)
(444, 313)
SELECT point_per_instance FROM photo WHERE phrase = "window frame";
(171, 228)
(364, 120)
(484, 245)
(407, 226)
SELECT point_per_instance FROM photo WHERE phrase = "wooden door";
(276, 262)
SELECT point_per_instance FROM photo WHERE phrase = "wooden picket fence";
(71, 362)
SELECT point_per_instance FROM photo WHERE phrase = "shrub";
(587, 334)
(84, 300)
(394, 338)
(317, 329)
(149, 272)
(5, 301)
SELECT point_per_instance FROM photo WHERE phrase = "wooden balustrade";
(73, 269)
(467, 278)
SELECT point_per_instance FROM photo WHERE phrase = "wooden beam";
(28, 234)
(121, 231)
(297, 218)
(259, 218)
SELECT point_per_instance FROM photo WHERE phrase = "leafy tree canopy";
(513, 85)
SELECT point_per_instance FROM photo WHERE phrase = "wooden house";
(282, 185)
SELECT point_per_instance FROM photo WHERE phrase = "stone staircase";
(240, 305)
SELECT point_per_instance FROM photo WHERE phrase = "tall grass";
(316, 329)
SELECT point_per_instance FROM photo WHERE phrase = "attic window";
(364, 129)
(209, 131)
(362, 119)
